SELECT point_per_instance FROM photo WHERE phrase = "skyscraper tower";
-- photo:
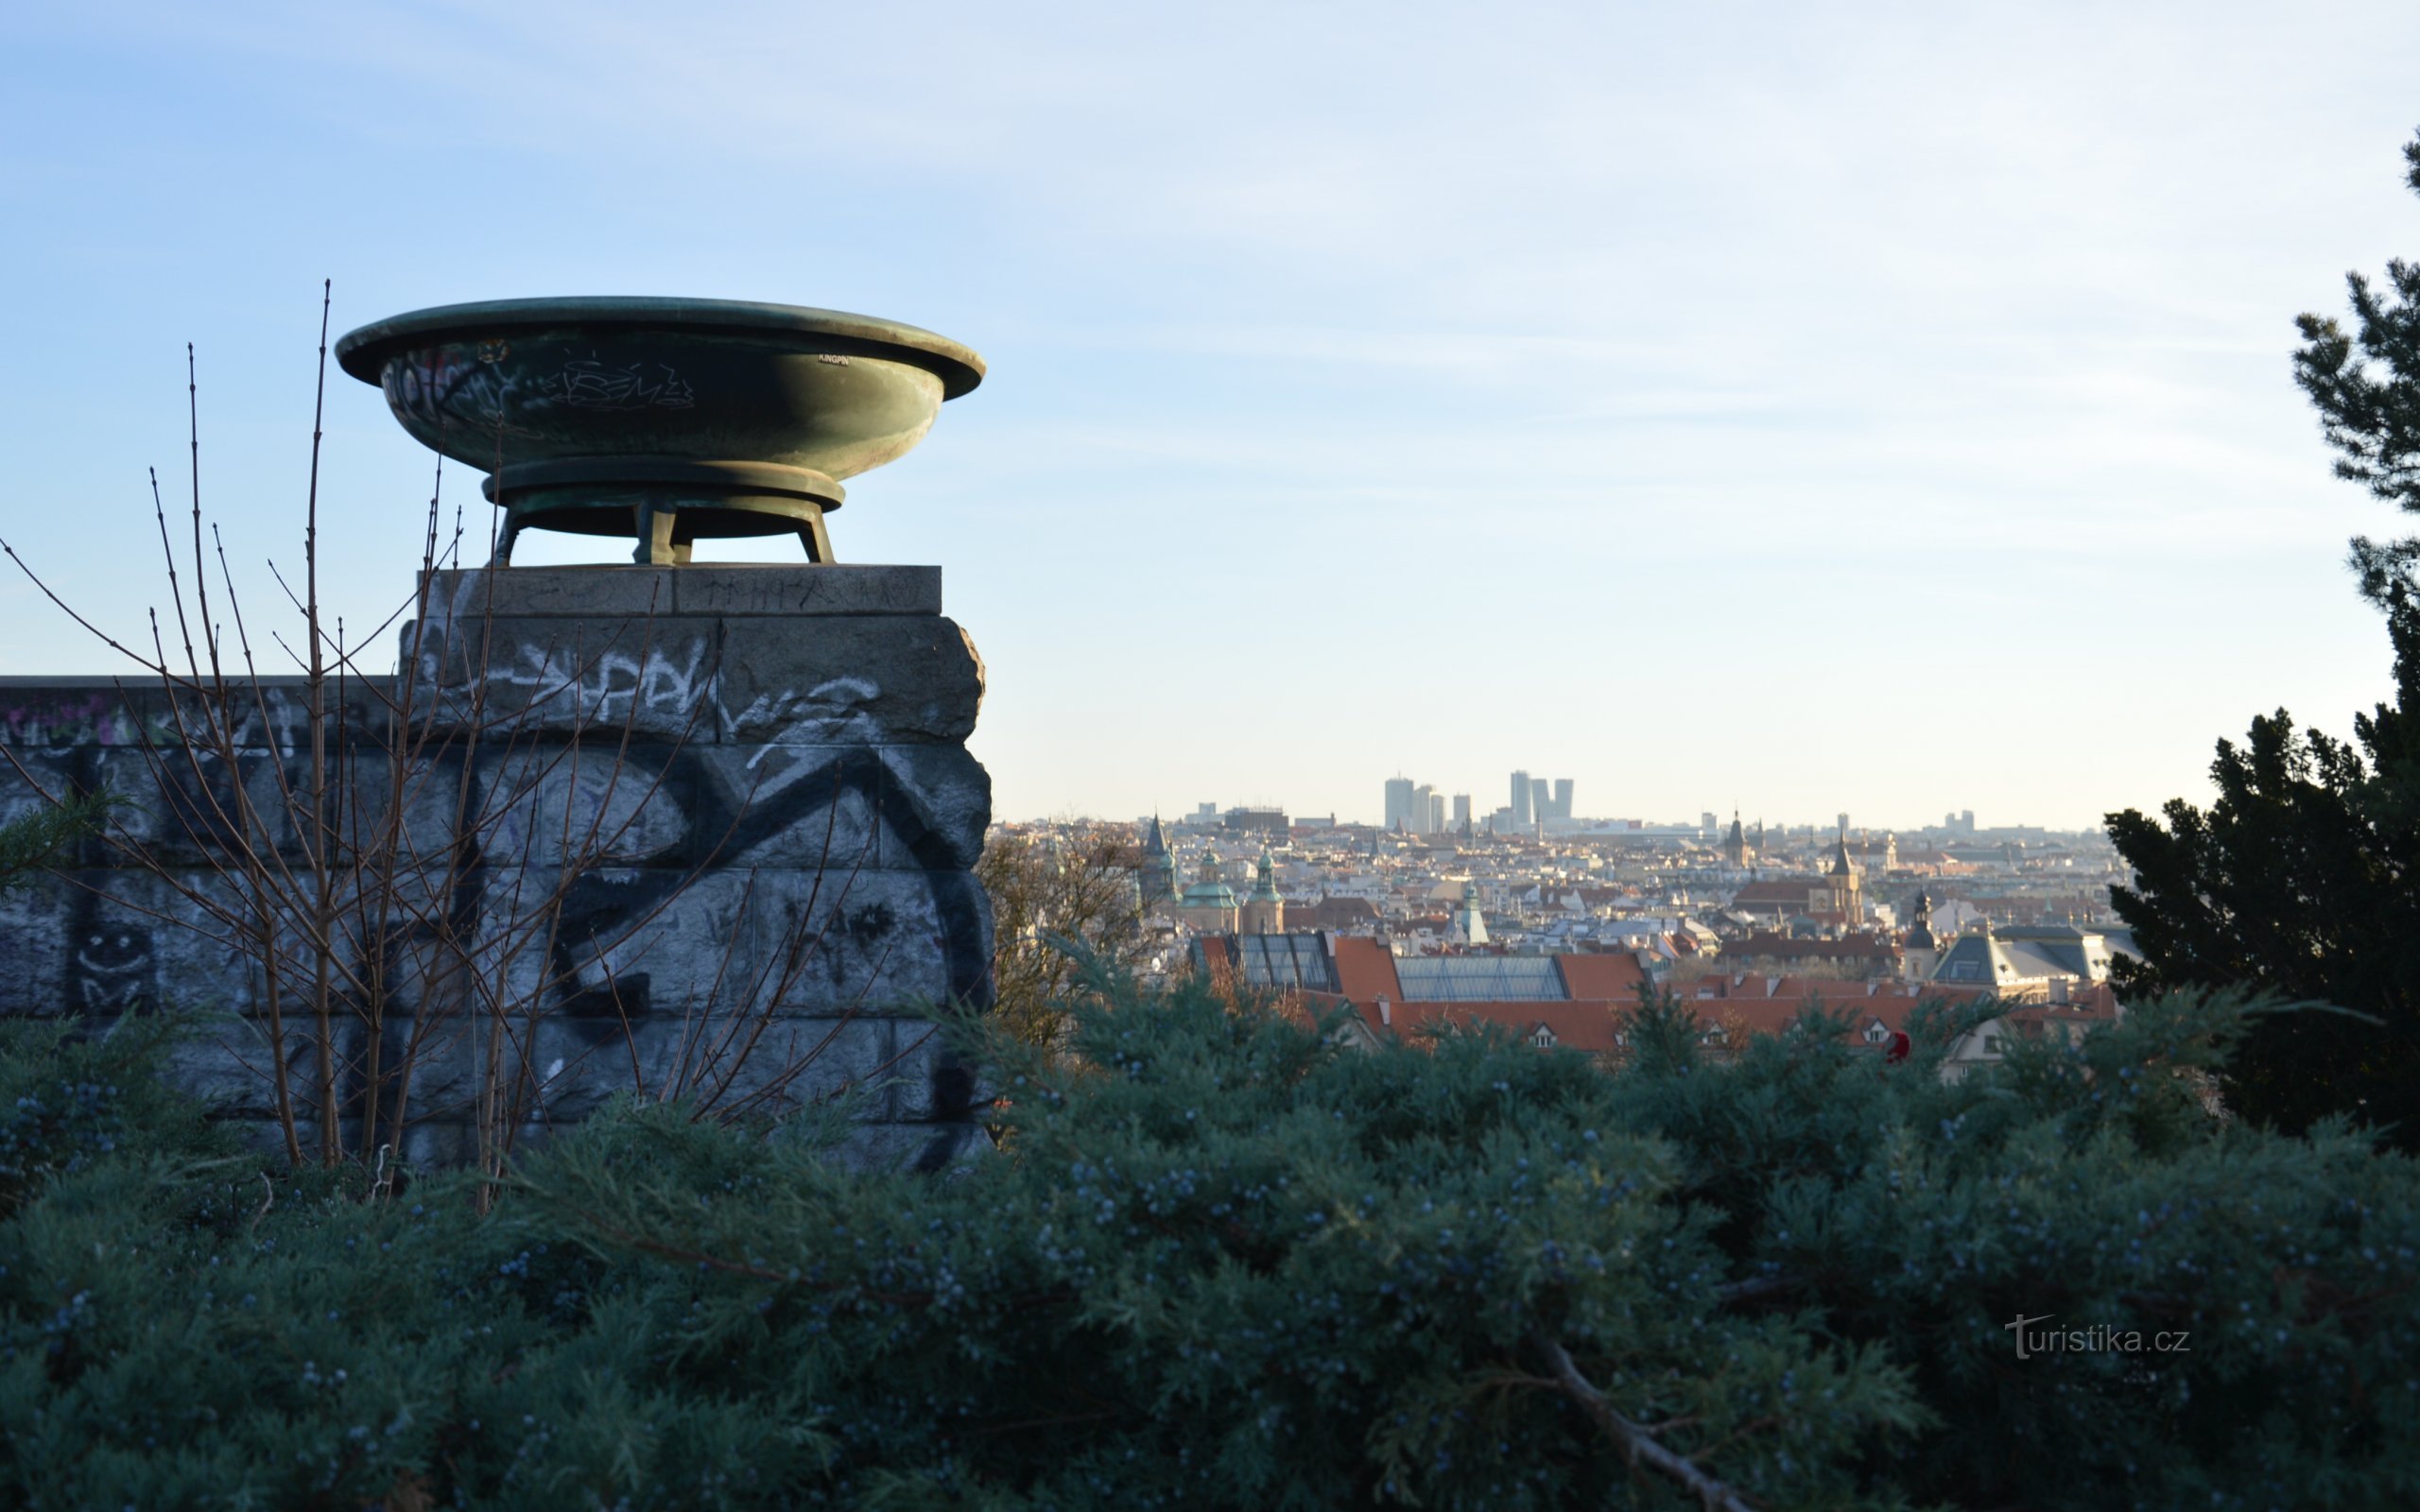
(1521, 800)
(1399, 792)
(1563, 798)
(1541, 800)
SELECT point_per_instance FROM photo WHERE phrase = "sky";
(1880, 408)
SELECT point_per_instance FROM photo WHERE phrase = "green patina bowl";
(670, 421)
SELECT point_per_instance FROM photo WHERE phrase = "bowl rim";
(364, 350)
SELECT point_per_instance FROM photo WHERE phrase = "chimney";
(1386, 1011)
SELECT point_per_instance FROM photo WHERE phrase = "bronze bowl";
(666, 420)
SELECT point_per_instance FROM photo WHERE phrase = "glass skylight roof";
(1479, 979)
(1286, 962)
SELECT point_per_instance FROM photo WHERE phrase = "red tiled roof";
(1332, 913)
(1614, 977)
(1576, 1025)
(1860, 947)
(1365, 971)
(1604, 994)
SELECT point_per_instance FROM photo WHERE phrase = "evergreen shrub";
(1219, 1260)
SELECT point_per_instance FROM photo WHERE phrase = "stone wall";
(697, 829)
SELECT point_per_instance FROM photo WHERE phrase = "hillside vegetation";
(1217, 1261)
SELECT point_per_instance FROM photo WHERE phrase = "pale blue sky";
(1879, 407)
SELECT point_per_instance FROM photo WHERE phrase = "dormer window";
(1543, 1038)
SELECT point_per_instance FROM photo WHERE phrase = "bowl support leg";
(812, 535)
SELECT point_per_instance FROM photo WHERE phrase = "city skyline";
(1887, 411)
(1207, 811)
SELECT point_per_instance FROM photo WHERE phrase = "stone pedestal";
(742, 794)
(698, 831)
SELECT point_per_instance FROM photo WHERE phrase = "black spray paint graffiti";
(112, 951)
(718, 826)
(112, 969)
(722, 825)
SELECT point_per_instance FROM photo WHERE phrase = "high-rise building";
(1398, 802)
(1267, 821)
(1436, 814)
(1563, 798)
(1541, 800)
(1462, 811)
(1521, 800)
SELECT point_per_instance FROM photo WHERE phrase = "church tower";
(1156, 879)
(1469, 927)
(1736, 851)
(1923, 951)
(1846, 882)
(1263, 911)
(1209, 905)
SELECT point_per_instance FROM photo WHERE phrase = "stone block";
(180, 805)
(697, 589)
(603, 946)
(932, 1081)
(586, 803)
(108, 941)
(932, 1149)
(231, 1063)
(788, 1061)
(270, 712)
(878, 939)
(888, 807)
(791, 591)
(878, 680)
(648, 941)
(604, 592)
(709, 588)
(37, 923)
(566, 677)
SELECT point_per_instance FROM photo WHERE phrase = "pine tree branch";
(1756, 1288)
(640, 1243)
(1637, 1445)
